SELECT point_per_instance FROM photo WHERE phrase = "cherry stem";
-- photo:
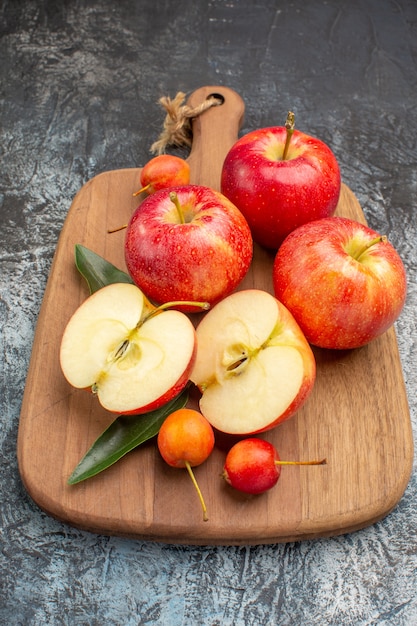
(289, 127)
(380, 239)
(200, 495)
(322, 462)
(174, 198)
(143, 189)
(115, 230)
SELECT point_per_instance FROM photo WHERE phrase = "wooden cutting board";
(357, 416)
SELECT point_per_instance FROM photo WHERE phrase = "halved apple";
(254, 366)
(133, 356)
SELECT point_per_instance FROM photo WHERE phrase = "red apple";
(278, 184)
(187, 243)
(134, 357)
(254, 367)
(163, 171)
(344, 283)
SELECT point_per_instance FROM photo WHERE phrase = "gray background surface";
(80, 82)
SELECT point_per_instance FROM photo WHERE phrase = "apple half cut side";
(254, 367)
(134, 357)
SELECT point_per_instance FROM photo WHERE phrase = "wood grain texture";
(357, 416)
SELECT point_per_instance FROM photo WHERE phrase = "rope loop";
(177, 129)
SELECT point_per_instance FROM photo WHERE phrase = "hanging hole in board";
(218, 97)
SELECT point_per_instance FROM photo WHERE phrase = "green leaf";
(96, 270)
(123, 435)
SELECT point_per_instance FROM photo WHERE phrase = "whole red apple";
(344, 283)
(187, 243)
(280, 178)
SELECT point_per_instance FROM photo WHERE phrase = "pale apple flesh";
(132, 360)
(254, 367)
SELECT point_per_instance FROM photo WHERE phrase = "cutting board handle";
(214, 133)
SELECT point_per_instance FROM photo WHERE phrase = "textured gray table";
(79, 85)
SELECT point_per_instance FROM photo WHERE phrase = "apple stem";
(358, 253)
(200, 495)
(174, 198)
(169, 305)
(143, 189)
(201, 305)
(322, 462)
(289, 127)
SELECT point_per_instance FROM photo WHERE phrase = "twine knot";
(177, 129)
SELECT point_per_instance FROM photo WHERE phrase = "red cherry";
(253, 465)
(186, 439)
